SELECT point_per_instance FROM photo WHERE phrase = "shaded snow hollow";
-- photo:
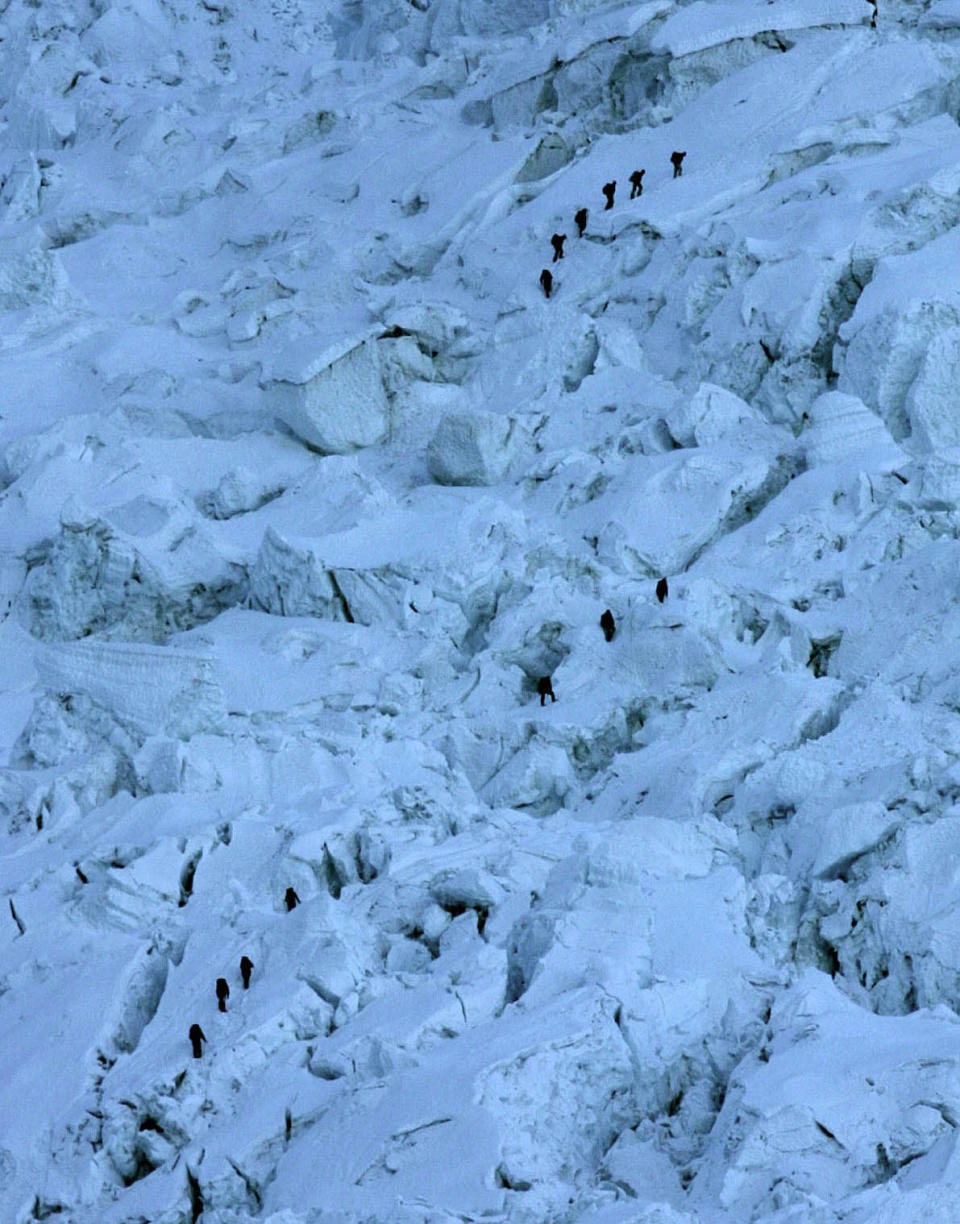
(304, 485)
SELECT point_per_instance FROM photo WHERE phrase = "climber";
(545, 689)
(608, 625)
(677, 162)
(196, 1036)
(223, 993)
(662, 590)
(636, 183)
(608, 191)
(246, 965)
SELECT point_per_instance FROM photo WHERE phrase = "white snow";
(304, 487)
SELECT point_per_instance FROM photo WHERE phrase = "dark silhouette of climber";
(608, 191)
(581, 219)
(223, 993)
(636, 183)
(662, 590)
(608, 625)
(557, 242)
(246, 966)
(196, 1036)
(545, 689)
(291, 900)
(676, 160)
(546, 282)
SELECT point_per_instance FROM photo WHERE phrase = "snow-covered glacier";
(307, 484)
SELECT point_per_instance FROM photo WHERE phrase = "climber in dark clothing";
(196, 1036)
(545, 689)
(246, 966)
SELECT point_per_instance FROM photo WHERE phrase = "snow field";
(305, 485)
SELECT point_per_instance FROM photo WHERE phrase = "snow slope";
(304, 484)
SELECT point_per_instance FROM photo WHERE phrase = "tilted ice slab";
(691, 761)
(96, 579)
(151, 688)
(900, 343)
(918, 655)
(331, 396)
(717, 417)
(399, 567)
(472, 448)
(838, 1101)
(830, 519)
(35, 1090)
(841, 428)
(700, 25)
(272, 663)
(510, 1096)
(894, 938)
(621, 921)
(697, 492)
(135, 548)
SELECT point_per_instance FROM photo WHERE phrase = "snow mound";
(472, 448)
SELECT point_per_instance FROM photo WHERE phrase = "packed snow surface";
(305, 486)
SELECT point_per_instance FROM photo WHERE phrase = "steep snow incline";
(305, 485)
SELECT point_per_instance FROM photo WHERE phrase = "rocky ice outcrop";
(153, 690)
(898, 348)
(444, 334)
(143, 575)
(902, 1075)
(841, 427)
(931, 403)
(332, 397)
(473, 448)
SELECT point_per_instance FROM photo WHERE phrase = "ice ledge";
(701, 25)
(158, 690)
